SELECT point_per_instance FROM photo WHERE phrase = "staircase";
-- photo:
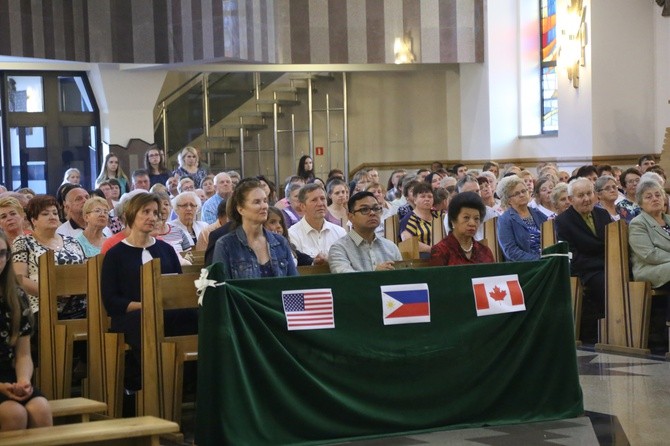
(262, 123)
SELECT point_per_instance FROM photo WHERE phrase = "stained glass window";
(549, 79)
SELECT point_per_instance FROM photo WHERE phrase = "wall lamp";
(402, 49)
(572, 52)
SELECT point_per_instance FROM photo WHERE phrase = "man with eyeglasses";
(361, 249)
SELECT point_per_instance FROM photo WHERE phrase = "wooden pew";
(411, 263)
(163, 357)
(628, 305)
(309, 270)
(392, 228)
(57, 337)
(106, 350)
(548, 234)
(75, 410)
(491, 237)
(409, 249)
(121, 432)
(548, 237)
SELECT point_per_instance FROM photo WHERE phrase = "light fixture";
(402, 49)
(572, 52)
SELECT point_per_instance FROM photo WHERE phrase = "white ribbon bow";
(202, 283)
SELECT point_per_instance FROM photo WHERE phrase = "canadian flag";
(498, 294)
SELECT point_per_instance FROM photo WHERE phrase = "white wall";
(402, 116)
(491, 97)
(662, 73)
(126, 100)
(622, 48)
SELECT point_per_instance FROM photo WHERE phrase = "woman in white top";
(186, 205)
(542, 196)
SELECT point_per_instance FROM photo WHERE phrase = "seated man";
(313, 235)
(582, 225)
(361, 249)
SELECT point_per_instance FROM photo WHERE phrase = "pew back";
(56, 337)
(106, 351)
(163, 356)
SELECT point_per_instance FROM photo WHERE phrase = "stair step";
(257, 114)
(285, 89)
(278, 101)
(312, 76)
(245, 126)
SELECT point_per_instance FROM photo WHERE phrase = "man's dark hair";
(140, 173)
(587, 170)
(357, 197)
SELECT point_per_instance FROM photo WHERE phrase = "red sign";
(319, 150)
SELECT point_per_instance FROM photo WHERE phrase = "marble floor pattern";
(627, 402)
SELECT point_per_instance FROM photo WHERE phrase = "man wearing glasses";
(361, 249)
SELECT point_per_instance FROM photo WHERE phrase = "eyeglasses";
(154, 155)
(99, 211)
(187, 205)
(366, 210)
(519, 193)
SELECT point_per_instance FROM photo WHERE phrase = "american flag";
(308, 309)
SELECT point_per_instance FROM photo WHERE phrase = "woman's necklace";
(469, 250)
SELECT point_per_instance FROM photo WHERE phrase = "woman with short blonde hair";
(12, 218)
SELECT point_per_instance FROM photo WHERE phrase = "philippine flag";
(405, 304)
(498, 294)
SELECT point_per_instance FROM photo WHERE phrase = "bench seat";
(124, 431)
(73, 410)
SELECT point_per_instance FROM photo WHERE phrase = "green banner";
(259, 383)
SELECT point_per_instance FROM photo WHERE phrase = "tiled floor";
(627, 402)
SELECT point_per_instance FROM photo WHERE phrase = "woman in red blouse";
(466, 212)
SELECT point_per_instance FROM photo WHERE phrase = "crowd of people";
(244, 224)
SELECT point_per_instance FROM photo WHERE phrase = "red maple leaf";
(497, 294)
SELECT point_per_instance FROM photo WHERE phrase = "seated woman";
(121, 281)
(419, 223)
(275, 223)
(649, 239)
(27, 249)
(96, 215)
(251, 251)
(607, 193)
(338, 195)
(465, 214)
(21, 405)
(519, 227)
(166, 231)
(186, 205)
(559, 198)
(12, 218)
(542, 193)
(628, 208)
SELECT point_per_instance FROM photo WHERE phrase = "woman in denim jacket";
(251, 251)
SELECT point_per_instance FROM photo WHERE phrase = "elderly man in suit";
(582, 225)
